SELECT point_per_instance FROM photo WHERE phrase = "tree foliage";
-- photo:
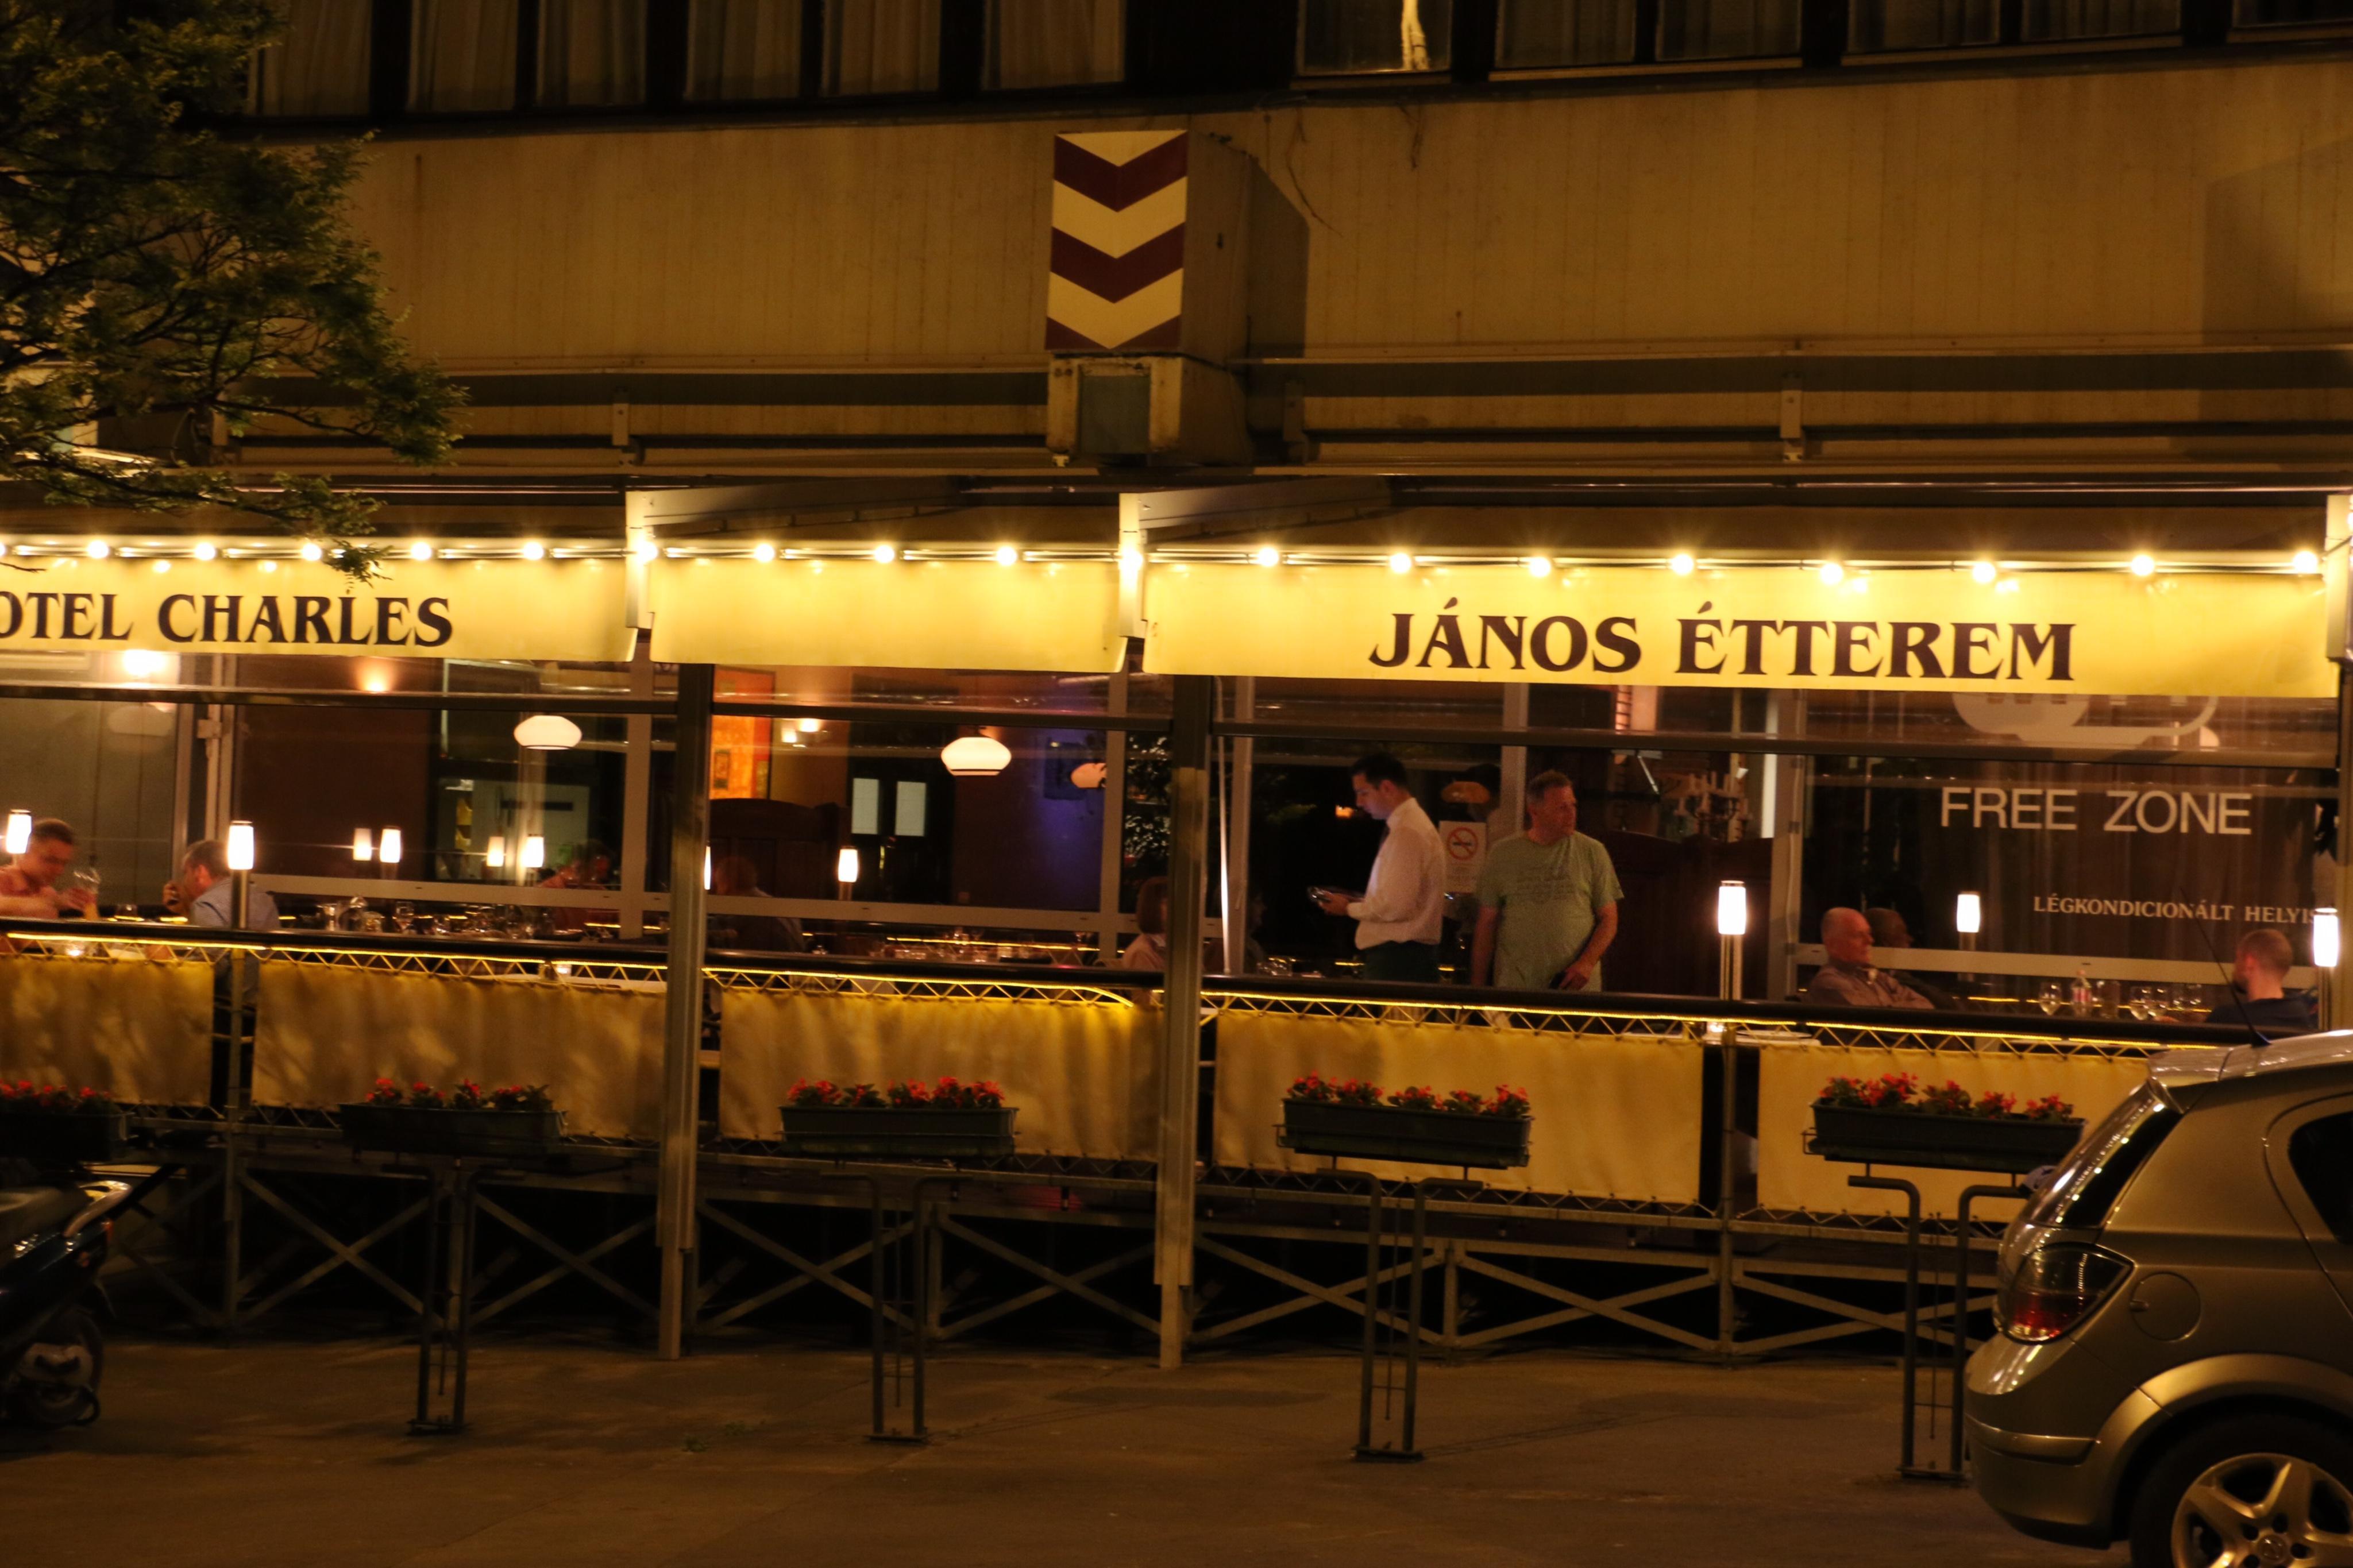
(152, 270)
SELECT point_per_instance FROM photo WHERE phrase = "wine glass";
(404, 916)
(2048, 998)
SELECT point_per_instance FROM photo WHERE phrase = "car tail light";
(2054, 1288)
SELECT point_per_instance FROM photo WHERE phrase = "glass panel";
(2288, 12)
(2106, 725)
(106, 770)
(2056, 19)
(1535, 33)
(745, 49)
(1875, 25)
(319, 65)
(462, 56)
(590, 52)
(865, 807)
(907, 815)
(881, 46)
(1347, 37)
(1726, 29)
(1055, 43)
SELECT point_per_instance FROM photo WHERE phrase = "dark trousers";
(1416, 961)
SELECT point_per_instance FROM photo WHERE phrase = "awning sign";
(921, 614)
(2177, 633)
(429, 609)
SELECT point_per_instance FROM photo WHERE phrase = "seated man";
(1848, 979)
(735, 876)
(2259, 979)
(1888, 930)
(28, 884)
(202, 891)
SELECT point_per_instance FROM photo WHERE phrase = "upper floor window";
(1923, 24)
(319, 66)
(462, 55)
(2051, 20)
(1532, 36)
(745, 49)
(2289, 12)
(1536, 35)
(1727, 30)
(1055, 43)
(1351, 37)
(590, 52)
(881, 46)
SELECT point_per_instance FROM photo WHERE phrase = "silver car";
(2175, 1365)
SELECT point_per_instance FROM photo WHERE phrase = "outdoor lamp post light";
(2328, 945)
(706, 868)
(20, 831)
(1730, 925)
(387, 849)
(975, 756)
(240, 870)
(845, 868)
(495, 856)
(534, 853)
(363, 845)
(1968, 919)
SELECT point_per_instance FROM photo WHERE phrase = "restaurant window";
(462, 56)
(1356, 37)
(1055, 43)
(105, 769)
(319, 66)
(1878, 24)
(2289, 12)
(591, 53)
(2054, 20)
(881, 46)
(1531, 35)
(745, 49)
(1727, 30)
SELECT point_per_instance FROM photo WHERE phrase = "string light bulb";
(100, 550)
(1984, 571)
(1007, 555)
(2304, 562)
(646, 550)
(1539, 565)
(206, 550)
(2142, 566)
(1681, 563)
(1831, 574)
(764, 552)
(421, 551)
(314, 551)
(1400, 563)
(886, 553)
(533, 550)
(1268, 555)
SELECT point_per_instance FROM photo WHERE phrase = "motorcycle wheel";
(48, 1405)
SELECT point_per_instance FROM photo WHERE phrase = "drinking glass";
(2048, 997)
(404, 916)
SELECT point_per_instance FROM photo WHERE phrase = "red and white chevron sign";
(1118, 277)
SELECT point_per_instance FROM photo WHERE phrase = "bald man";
(2260, 980)
(1848, 979)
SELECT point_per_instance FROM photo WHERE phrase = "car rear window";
(2087, 1185)
(2321, 1154)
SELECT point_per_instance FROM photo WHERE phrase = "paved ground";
(584, 1454)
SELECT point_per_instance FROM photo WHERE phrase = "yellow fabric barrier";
(1082, 1073)
(141, 1027)
(1789, 1077)
(324, 1034)
(1615, 1116)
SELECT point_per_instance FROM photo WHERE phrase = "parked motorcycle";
(54, 1233)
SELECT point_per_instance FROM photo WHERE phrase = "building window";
(591, 53)
(1727, 30)
(319, 66)
(1355, 38)
(881, 46)
(1876, 25)
(1531, 35)
(1055, 43)
(745, 49)
(2052, 20)
(2289, 12)
(462, 56)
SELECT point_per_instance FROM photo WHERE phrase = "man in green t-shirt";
(1547, 901)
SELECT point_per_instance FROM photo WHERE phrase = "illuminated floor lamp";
(1968, 919)
(845, 870)
(2327, 941)
(240, 872)
(1730, 925)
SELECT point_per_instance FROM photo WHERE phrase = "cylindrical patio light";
(363, 843)
(20, 831)
(2328, 947)
(387, 846)
(240, 868)
(1968, 919)
(534, 853)
(845, 868)
(1730, 925)
(495, 856)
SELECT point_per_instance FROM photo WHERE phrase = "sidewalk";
(262, 1454)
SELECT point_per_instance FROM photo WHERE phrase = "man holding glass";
(28, 884)
(202, 891)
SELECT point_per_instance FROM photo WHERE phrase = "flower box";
(71, 1137)
(899, 1132)
(1406, 1135)
(1912, 1137)
(440, 1130)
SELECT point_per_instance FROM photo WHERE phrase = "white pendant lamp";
(547, 732)
(975, 756)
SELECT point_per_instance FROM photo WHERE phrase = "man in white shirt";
(1401, 916)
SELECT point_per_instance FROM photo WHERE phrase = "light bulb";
(1400, 563)
(495, 856)
(140, 664)
(1831, 574)
(240, 846)
(534, 853)
(2327, 939)
(163, 565)
(812, 726)
(206, 550)
(647, 550)
(1131, 559)
(1539, 566)
(533, 550)
(1984, 571)
(2304, 562)
(421, 551)
(387, 846)
(1969, 914)
(314, 551)
(363, 843)
(1681, 565)
(885, 553)
(845, 865)
(2143, 565)
(1732, 909)
(1007, 555)
(99, 549)
(20, 831)
(1268, 555)
(764, 552)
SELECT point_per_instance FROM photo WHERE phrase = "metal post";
(1961, 1311)
(1911, 1303)
(1372, 1311)
(2334, 1011)
(1115, 824)
(1180, 1055)
(1238, 806)
(1727, 1127)
(682, 1031)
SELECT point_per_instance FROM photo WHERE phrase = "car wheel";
(2254, 1491)
(57, 1382)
